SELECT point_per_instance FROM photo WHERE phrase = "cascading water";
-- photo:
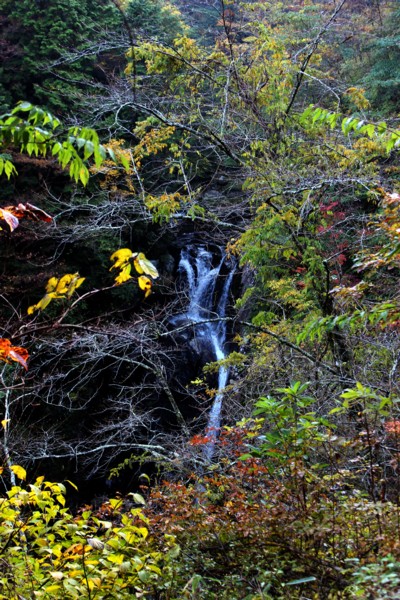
(206, 311)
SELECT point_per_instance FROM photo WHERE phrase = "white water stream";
(208, 300)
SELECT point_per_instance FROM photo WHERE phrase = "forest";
(199, 306)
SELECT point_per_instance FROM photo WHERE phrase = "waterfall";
(208, 301)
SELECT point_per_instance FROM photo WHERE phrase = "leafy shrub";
(47, 553)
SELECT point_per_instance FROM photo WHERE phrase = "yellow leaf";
(31, 309)
(142, 530)
(79, 282)
(45, 301)
(75, 572)
(143, 265)
(120, 258)
(51, 284)
(136, 262)
(52, 588)
(41, 305)
(145, 284)
(75, 282)
(72, 484)
(19, 472)
(124, 275)
(116, 558)
(58, 288)
(63, 284)
(4, 423)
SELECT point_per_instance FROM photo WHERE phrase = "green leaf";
(384, 402)
(144, 576)
(25, 106)
(370, 130)
(111, 154)
(80, 142)
(137, 498)
(338, 409)
(196, 582)
(56, 148)
(89, 149)
(381, 127)
(84, 175)
(9, 168)
(124, 162)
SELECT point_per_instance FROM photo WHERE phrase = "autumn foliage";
(8, 353)
(265, 144)
(12, 214)
(273, 527)
(142, 265)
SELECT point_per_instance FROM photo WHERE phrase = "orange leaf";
(199, 440)
(77, 549)
(5, 346)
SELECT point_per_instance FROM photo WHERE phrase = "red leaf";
(328, 207)
(27, 210)
(199, 440)
(35, 213)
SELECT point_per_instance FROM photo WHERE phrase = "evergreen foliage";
(38, 37)
(382, 79)
(54, 52)
(155, 19)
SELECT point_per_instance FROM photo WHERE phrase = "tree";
(373, 62)
(383, 78)
(40, 33)
(153, 19)
(55, 52)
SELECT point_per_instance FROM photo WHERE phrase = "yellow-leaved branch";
(122, 260)
(56, 288)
